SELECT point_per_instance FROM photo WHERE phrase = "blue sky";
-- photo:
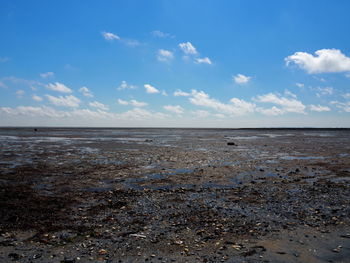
(175, 63)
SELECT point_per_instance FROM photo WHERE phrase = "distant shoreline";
(173, 128)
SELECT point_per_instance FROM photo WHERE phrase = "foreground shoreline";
(175, 195)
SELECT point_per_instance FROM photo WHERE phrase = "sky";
(184, 63)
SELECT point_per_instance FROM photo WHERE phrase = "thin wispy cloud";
(86, 92)
(47, 75)
(109, 36)
(37, 98)
(205, 60)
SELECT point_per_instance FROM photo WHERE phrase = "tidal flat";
(174, 195)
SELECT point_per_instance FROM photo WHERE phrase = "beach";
(174, 195)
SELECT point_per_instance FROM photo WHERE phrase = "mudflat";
(174, 195)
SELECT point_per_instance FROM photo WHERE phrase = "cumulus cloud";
(59, 87)
(174, 109)
(236, 107)
(150, 89)
(47, 75)
(286, 104)
(109, 36)
(241, 79)
(205, 60)
(86, 92)
(319, 108)
(37, 98)
(124, 86)
(324, 61)
(188, 48)
(179, 93)
(165, 55)
(65, 101)
(300, 85)
(99, 105)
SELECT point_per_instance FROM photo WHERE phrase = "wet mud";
(174, 195)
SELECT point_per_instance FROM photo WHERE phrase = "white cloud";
(99, 105)
(37, 98)
(65, 101)
(273, 111)
(344, 106)
(165, 55)
(201, 113)
(130, 42)
(236, 107)
(205, 60)
(346, 95)
(325, 61)
(179, 93)
(160, 34)
(122, 102)
(136, 103)
(175, 109)
(150, 89)
(319, 108)
(287, 104)
(241, 79)
(42, 111)
(300, 85)
(124, 86)
(20, 93)
(290, 94)
(188, 48)
(326, 91)
(47, 75)
(141, 114)
(110, 36)
(58, 87)
(86, 92)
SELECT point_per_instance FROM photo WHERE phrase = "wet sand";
(174, 195)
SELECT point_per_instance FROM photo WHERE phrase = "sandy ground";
(174, 195)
